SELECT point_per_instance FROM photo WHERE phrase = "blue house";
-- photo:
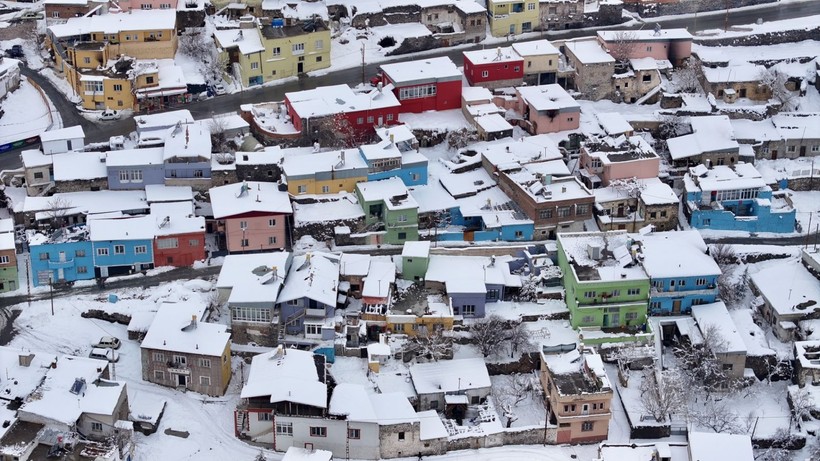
(122, 246)
(470, 282)
(734, 198)
(491, 216)
(187, 156)
(307, 300)
(384, 160)
(135, 168)
(63, 256)
(681, 272)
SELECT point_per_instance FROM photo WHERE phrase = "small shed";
(415, 257)
(69, 139)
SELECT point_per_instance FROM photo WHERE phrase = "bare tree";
(801, 404)
(197, 44)
(460, 139)
(58, 208)
(686, 78)
(488, 334)
(723, 254)
(622, 47)
(435, 346)
(700, 361)
(218, 128)
(334, 131)
(775, 82)
(509, 394)
(519, 339)
(716, 415)
(663, 393)
(672, 126)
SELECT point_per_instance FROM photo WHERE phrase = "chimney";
(563, 189)
(379, 87)
(392, 138)
(25, 360)
(193, 320)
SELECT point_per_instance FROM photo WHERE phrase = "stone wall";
(772, 38)
(526, 364)
(415, 44)
(223, 177)
(81, 185)
(392, 15)
(670, 7)
(263, 173)
(324, 231)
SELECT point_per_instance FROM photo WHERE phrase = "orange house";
(179, 238)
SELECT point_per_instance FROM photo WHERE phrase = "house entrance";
(182, 380)
(676, 307)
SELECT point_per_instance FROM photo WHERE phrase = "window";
(545, 214)
(298, 48)
(588, 319)
(631, 316)
(284, 429)
(586, 426)
(791, 149)
(390, 118)
(254, 65)
(416, 92)
(272, 222)
(277, 51)
(647, 78)
(553, 10)
(590, 294)
(264, 416)
(402, 235)
(401, 435)
(633, 291)
(516, 68)
(38, 175)
(198, 173)
(434, 404)
(655, 305)
(354, 433)
(401, 218)
(55, 14)
(140, 249)
(193, 242)
(250, 314)
(360, 120)
(318, 59)
(615, 293)
(519, 234)
(164, 244)
(316, 431)
(205, 363)
(369, 119)
(82, 270)
(117, 87)
(649, 48)
(145, 6)
(159, 357)
(320, 44)
(94, 87)
(485, 73)
(815, 148)
(159, 375)
(243, 225)
(102, 251)
(582, 209)
(4, 259)
(87, 60)
(119, 249)
(564, 211)
(204, 380)
(727, 367)
(149, 80)
(301, 189)
(468, 309)
(271, 240)
(180, 360)
(96, 427)
(313, 329)
(398, 327)
(700, 282)
(165, 6)
(530, 6)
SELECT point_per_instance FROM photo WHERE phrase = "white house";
(63, 140)
(450, 382)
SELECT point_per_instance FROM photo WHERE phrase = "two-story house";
(135, 168)
(187, 156)
(64, 255)
(385, 160)
(307, 300)
(735, 198)
(612, 159)
(633, 204)
(590, 68)
(327, 172)
(424, 84)
(8, 257)
(674, 45)
(253, 216)
(547, 109)
(470, 282)
(540, 61)
(606, 286)
(122, 246)
(690, 281)
(494, 68)
(182, 351)
(179, 235)
(388, 206)
(512, 17)
(579, 393)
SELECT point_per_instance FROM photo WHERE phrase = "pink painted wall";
(257, 233)
(641, 169)
(675, 51)
(545, 124)
(126, 5)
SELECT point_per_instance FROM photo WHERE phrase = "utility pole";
(726, 20)
(363, 64)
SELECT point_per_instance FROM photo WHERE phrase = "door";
(585, 409)
(743, 92)
(381, 120)
(182, 380)
(676, 307)
(774, 155)
(615, 320)
(802, 151)
(606, 320)
(300, 67)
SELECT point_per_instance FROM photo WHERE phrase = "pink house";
(127, 5)
(252, 216)
(547, 109)
(602, 163)
(672, 44)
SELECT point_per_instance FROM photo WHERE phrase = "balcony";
(178, 368)
(61, 264)
(315, 313)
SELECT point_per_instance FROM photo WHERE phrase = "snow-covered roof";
(326, 207)
(588, 51)
(708, 446)
(314, 276)
(176, 218)
(724, 177)
(306, 454)
(113, 23)
(535, 48)
(237, 274)
(450, 376)
(613, 123)
(35, 157)
(21, 380)
(653, 192)
(432, 197)
(134, 157)
(419, 249)
(396, 133)
(131, 228)
(492, 55)
(467, 183)
(789, 288)
(89, 202)
(548, 97)
(6, 225)
(521, 151)
(354, 264)
(577, 371)
(249, 197)
(352, 401)
(493, 123)
(616, 264)
(711, 133)
(421, 71)
(644, 35)
(797, 125)
(452, 269)
(641, 64)
(162, 193)
(717, 316)
(476, 93)
(170, 78)
(163, 119)
(187, 141)
(302, 164)
(336, 99)
(296, 9)
(554, 190)
(734, 73)
(56, 403)
(71, 132)
(379, 151)
(676, 254)
(392, 191)
(79, 166)
(286, 375)
(380, 278)
(494, 207)
(178, 327)
(248, 41)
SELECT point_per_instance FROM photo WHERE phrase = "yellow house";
(512, 17)
(268, 53)
(540, 61)
(324, 172)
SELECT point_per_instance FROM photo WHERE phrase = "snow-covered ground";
(25, 114)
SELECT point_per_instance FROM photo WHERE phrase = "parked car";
(108, 342)
(219, 89)
(109, 114)
(104, 354)
(16, 51)
(32, 16)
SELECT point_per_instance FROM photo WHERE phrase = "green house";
(605, 284)
(388, 206)
(8, 257)
(415, 257)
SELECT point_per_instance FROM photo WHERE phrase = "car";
(32, 16)
(219, 89)
(108, 342)
(104, 354)
(16, 51)
(109, 114)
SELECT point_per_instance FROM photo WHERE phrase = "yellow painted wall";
(501, 17)
(286, 64)
(315, 187)
(96, 58)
